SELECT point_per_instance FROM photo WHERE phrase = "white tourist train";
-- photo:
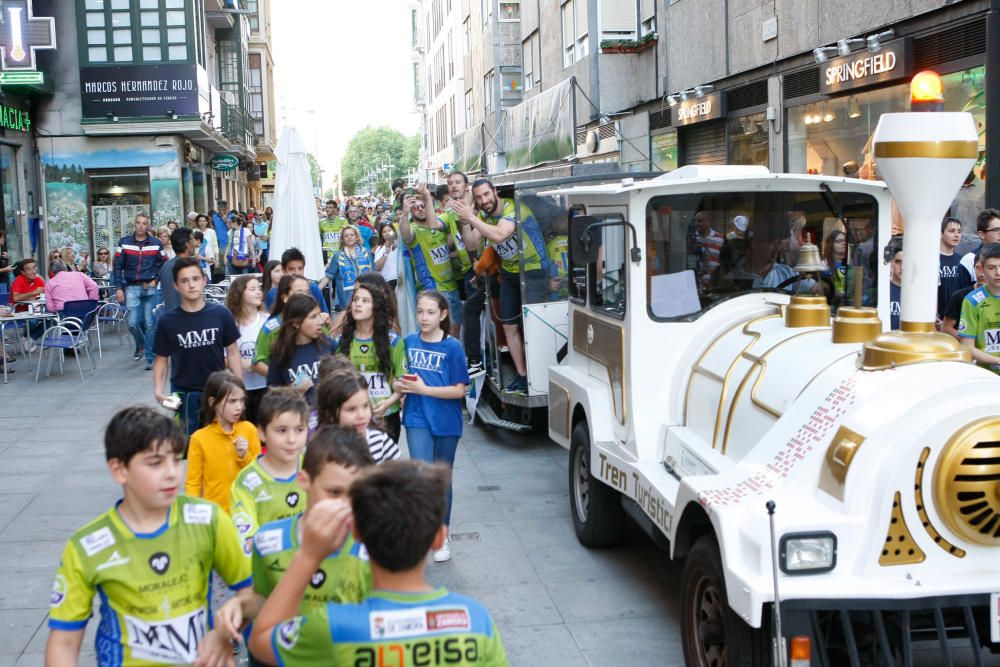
(704, 378)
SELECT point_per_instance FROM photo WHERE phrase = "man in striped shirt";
(138, 260)
(709, 246)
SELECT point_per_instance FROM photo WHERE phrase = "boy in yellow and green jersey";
(334, 458)
(148, 558)
(268, 489)
(397, 510)
(979, 326)
(330, 228)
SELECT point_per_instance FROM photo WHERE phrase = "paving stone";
(17, 628)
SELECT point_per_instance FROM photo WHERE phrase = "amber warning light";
(926, 92)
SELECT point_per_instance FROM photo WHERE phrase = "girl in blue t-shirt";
(434, 389)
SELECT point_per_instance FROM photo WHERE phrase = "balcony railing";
(237, 124)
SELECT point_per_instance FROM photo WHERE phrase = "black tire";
(598, 516)
(711, 632)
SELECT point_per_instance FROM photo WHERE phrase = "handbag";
(239, 260)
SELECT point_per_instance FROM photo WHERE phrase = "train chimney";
(923, 158)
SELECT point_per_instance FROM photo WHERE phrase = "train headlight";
(808, 553)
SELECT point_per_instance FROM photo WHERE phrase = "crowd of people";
(289, 401)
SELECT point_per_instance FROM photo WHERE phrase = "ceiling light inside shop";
(828, 114)
(853, 108)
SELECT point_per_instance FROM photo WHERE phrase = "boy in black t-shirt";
(952, 276)
(953, 311)
(198, 337)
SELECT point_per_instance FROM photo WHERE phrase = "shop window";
(11, 202)
(748, 140)
(705, 248)
(664, 151)
(116, 197)
(834, 137)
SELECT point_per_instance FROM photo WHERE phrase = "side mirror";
(583, 242)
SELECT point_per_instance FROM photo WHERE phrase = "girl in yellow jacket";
(219, 451)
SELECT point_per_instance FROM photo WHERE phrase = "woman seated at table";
(67, 285)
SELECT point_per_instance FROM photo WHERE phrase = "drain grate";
(464, 537)
(489, 487)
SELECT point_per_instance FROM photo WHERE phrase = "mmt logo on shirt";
(193, 339)
(425, 360)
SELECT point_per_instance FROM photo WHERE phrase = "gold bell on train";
(809, 259)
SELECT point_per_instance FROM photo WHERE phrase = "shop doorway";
(116, 197)
(10, 204)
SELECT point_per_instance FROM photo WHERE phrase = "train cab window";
(708, 247)
(608, 272)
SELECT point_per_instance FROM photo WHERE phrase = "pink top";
(68, 286)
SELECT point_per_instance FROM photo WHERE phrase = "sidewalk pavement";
(554, 601)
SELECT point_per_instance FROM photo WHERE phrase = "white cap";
(192, 215)
(741, 222)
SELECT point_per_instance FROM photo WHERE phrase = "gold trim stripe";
(953, 150)
(917, 327)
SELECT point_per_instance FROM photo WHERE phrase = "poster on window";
(542, 128)
(139, 91)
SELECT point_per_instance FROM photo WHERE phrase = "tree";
(373, 147)
(314, 170)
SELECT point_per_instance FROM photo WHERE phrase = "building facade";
(150, 112)
(795, 86)
(261, 98)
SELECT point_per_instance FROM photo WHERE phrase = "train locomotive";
(700, 390)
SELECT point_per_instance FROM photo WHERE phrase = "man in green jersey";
(431, 247)
(979, 326)
(497, 224)
(397, 510)
(329, 229)
(335, 457)
(149, 558)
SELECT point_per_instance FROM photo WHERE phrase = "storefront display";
(748, 141)
(664, 151)
(833, 137)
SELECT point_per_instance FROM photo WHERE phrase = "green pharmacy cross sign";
(14, 119)
(22, 33)
(225, 163)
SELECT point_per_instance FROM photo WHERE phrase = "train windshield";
(707, 247)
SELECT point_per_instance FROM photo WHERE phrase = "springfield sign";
(865, 68)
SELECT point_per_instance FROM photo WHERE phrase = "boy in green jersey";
(979, 326)
(397, 510)
(148, 558)
(268, 488)
(334, 458)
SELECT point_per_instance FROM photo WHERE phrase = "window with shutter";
(618, 19)
(568, 33)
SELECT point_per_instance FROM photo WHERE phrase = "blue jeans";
(189, 414)
(424, 446)
(139, 304)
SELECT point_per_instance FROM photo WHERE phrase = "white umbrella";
(296, 223)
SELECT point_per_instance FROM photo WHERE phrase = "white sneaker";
(443, 555)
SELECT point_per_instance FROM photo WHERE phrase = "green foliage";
(375, 146)
(314, 170)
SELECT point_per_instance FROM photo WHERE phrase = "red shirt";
(22, 285)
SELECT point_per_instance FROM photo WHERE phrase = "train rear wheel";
(598, 516)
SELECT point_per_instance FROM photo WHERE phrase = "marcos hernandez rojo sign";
(864, 68)
(139, 90)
